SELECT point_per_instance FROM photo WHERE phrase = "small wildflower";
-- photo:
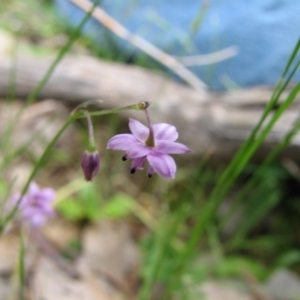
(153, 144)
(90, 164)
(35, 206)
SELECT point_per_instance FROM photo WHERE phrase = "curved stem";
(91, 130)
(76, 114)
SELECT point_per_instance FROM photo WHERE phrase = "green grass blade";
(167, 233)
(21, 268)
(292, 57)
(232, 171)
(60, 55)
(254, 179)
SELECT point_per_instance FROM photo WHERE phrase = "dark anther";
(132, 171)
(149, 175)
(124, 158)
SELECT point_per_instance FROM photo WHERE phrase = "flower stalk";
(76, 114)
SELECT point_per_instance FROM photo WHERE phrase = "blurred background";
(209, 68)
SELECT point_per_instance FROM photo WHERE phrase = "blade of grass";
(198, 20)
(249, 142)
(5, 138)
(255, 144)
(166, 234)
(291, 59)
(31, 98)
(64, 50)
(12, 154)
(252, 144)
(61, 54)
(37, 166)
(254, 179)
(268, 109)
(256, 209)
(21, 268)
(6, 197)
(230, 174)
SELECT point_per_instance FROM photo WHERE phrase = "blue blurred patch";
(265, 31)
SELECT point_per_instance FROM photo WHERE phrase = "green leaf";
(90, 200)
(238, 266)
(71, 209)
(289, 258)
(119, 206)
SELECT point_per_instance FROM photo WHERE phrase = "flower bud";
(90, 164)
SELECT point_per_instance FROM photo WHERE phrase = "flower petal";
(163, 131)
(121, 142)
(37, 220)
(163, 164)
(137, 150)
(47, 195)
(138, 163)
(33, 188)
(169, 147)
(140, 131)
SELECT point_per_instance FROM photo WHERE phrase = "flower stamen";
(150, 142)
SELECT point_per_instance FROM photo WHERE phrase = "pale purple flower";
(35, 206)
(90, 164)
(154, 145)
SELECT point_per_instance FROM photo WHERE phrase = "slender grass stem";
(165, 234)
(235, 167)
(37, 166)
(32, 97)
(250, 184)
(64, 50)
(61, 54)
(292, 58)
(21, 267)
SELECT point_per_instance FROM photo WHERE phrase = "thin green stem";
(13, 73)
(217, 196)
(270, 157)
(13, 153)
(77, 114)
(37, 166)
(166, 234)
(21, 267)
(251, 144)
(292, 57)
(5, 139)
(32, 97)
(156, 255)
(61, 54)
(91, 146)
(35, 92)
(280, 87)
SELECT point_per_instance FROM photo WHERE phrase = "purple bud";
(90, 164)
